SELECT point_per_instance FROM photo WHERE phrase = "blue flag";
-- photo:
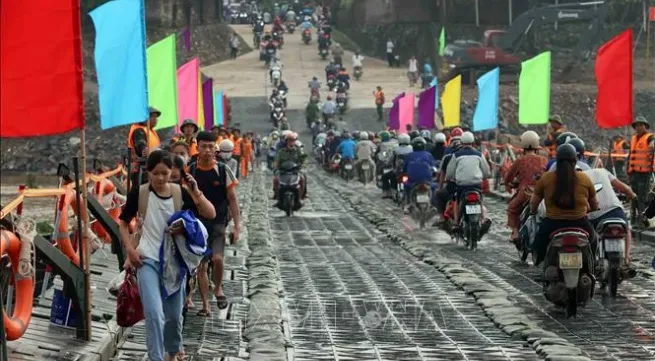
(486, 110)
(219, 118)
(434, 83)
(120, 59)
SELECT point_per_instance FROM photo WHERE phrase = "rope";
(26, 229)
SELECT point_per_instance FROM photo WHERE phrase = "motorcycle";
(334, 164)
(526, 230)
(323, 52)
(278, 40)
(347, 171)
(277, 115)
(399, 196)
(568, 277)
(382, 168)
(471, 219)
(282, 95)
(611, 240)
(257, 39)
(342, 101)
(291, 27)
(331, 82)
(307, 36)
(357, 73)
(276, 75)
(420, 196)
(289, 188)
(270, 54)
(365, 174)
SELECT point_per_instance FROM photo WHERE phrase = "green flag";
(162, 88)
(442, 41)
(534, 90)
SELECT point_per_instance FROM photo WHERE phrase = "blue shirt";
(306, 25)
(418, 166)
(347, 149)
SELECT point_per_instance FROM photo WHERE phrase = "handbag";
(129, 309)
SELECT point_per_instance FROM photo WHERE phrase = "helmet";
(356, 134)
(385, 136)
(456, 132)
(330, 133)
(225, 145)
(413, 134)
(456, 143)
(418, 143)
(578, 144)
(530, 140)
(564, 137)
(440, 138)
(566, 152)
(285, 133)
(403, 139)
(291, 136)
(468, 138)
(363, 136)
(425, 134)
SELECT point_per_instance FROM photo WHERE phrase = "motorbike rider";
(364, 151)
(418, 165)
(396, 160)
(579, 146)
(609, 205)
(323, 42)
(454, 133)
(467, 168)
(429, 145)
(259, 25)
(270, 51)
(311, 112)
(283, 87)
(317, 128)
(557, 128)
(274, 64)
(329, 108)
(268, 37)
(427, 76)
(527, 169)
(277, 26)
(439, 146)
(387, 145)
(290, 152)
(273, 139)
(343, 77)
(274, 98)
(337, 54)
(447, 187)
(306, 24)
(346, 149)
(357, 61)
(331, 69)
(568, 196)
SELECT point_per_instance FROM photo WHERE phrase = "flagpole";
(84, 242)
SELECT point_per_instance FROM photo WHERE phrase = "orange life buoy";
(101, 189)
(63, 238)
(16, 324)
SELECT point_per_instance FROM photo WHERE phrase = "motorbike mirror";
(598, 187)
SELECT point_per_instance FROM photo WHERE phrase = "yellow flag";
(450, 100)
(201, 110)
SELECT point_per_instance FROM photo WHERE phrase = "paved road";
(349, 278)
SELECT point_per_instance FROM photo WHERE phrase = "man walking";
(217, 183)
(234, 45)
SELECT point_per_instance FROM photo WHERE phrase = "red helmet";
(456, 132)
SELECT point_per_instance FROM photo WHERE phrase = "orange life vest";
(641, 157)
(617, 147)
(193, 144)
(237, 146)
(151, 137)
(379, 98)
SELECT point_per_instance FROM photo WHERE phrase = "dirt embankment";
(41, 155)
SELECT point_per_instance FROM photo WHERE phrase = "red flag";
(651, 13)
(613, 71)
(41, 68)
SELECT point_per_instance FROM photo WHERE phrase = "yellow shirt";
(584, 191)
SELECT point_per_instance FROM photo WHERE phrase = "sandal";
(203, 313)
(221, 302)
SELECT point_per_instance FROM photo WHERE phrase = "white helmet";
(425, 134)
(530, 140)
(403, 139)
(226, 145)
(275, 134)
(363, 136)
(440, 138)
(468, 138)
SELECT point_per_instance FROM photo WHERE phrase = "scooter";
(357, 73)
(420, 196)
(291, 27)
(347, 172)
(342, 102)
(276, 75)
(289, 188)
(612, 234)
(365, 175)
(277, 115)
(282, 95)
(323, 52)
(471, 219)
(306, 36)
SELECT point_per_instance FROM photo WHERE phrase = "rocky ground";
(41, 155)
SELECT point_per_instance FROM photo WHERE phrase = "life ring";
(16, 324)
(63, 238)
(102, 189)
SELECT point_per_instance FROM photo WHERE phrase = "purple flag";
(208, 102)
(186, 37)
(394, 113)
(426, 108)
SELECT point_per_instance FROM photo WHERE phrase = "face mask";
(226, 155)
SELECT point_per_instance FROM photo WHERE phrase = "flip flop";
(221, 302)
(203, 313)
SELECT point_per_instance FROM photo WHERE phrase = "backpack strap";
(176, 192)
(144, 195)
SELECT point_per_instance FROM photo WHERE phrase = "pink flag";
(187, 91)
(394, 122)
(406, 111)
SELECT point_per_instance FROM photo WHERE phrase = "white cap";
(468, 138)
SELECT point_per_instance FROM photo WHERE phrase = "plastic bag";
(129, 309)
(115, 284)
